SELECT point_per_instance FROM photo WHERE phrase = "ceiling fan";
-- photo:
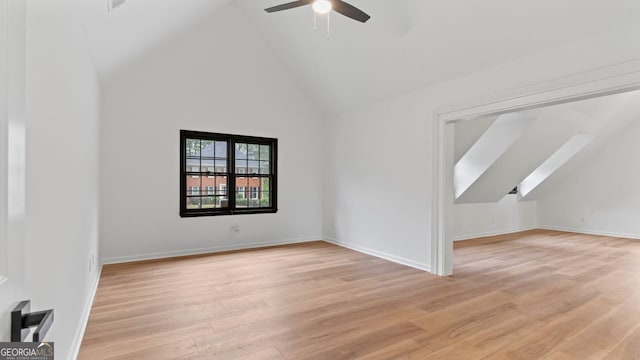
(324, 7)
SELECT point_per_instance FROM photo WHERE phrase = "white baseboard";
(590, 232)
(203, 251)
(381, 254)
(84, 320)
(494, 233)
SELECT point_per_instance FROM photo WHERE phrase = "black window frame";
(231, 173)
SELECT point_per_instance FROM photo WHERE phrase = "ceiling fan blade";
(287, 6)
(350, 11)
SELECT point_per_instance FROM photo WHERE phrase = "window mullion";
(231, 166)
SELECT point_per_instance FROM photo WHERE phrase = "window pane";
(241, 202)
(207, 165)
(265, 199)
(264, 152)
(207, 149)
(241, 193)
(193, 147)
(207, 182)
(241, 151)
(241, 166)
(264, 167)
(254, 183)
(254, 197)
(265, 184)
(193, 203)
(253, 152)
(254, 168)
(192, 164)
(208, 202)
(193, 185)
(221, 150)
(242, 182)
(221, 185)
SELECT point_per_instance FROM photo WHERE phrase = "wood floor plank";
(533, 295)
(628, 348)
(171, 351)
(548, 338)
(598, 339)
(399, 350)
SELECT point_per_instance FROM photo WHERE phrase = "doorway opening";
(523, 139)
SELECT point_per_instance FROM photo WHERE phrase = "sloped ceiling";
(599, 118)
(124, 35)
(408, 44)
(437, 40)
(609, 116)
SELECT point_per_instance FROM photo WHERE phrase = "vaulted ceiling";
(408, 44)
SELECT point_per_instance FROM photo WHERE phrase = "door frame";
(609, 80)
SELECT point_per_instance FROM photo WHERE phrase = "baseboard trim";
(380, 254)
(84, 320)
(494, 233)
(204, 251)
(589, 232)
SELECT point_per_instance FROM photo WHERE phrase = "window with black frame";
(223, 174)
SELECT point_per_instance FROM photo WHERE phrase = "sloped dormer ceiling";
(506, 155)
(407, 44)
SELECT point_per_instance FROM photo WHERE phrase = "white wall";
(370, 203)
(61, 234)
(218, 77)
(378, 189)
(4, 130)
(601, 197)
(507, 216)
(12, 104)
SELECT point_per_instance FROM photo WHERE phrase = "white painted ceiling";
(406, 45)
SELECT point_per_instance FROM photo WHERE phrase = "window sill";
(188, 214)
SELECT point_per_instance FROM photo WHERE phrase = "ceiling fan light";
(322, 6)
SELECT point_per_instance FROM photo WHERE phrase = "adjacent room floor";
(533, 295)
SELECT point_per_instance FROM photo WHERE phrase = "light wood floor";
(535, 295)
